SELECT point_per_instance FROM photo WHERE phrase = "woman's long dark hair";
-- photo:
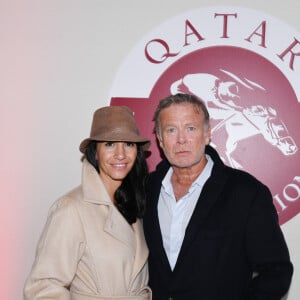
(130, 196)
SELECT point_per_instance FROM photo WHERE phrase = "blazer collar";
(152, 227)
(209, 195)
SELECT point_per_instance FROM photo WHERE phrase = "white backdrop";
(58, 60)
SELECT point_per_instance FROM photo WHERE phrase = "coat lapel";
(141, 254)
(118, 228)
(115, 224)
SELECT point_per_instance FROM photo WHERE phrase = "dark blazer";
(233, 247)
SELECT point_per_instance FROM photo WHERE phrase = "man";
(212, 230)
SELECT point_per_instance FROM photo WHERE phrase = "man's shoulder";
(242, 180)
(161, 168)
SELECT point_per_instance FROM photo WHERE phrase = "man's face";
(183, 135)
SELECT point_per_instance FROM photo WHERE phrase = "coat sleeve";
(58, 253)
(267, 251)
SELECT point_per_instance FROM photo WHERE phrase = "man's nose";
(181, 137)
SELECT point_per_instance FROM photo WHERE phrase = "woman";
(93, 246)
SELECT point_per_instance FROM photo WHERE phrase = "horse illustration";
(225, 102)
(251, 121)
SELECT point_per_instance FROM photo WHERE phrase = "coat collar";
(94, 192)
(115, 224)
(93, 188)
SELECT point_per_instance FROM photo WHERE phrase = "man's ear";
(158, 136)
(208, 136)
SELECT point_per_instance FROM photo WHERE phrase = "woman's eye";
(109, 144)
(130, 144)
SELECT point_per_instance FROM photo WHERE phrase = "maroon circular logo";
(253, 105)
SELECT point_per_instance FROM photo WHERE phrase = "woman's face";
(115, 160)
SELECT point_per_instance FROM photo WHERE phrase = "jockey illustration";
(215, 92)
(233, 101)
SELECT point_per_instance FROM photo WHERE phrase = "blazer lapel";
(158, 246)
(209, 195)
(155, 237)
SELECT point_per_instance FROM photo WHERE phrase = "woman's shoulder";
(67, 202)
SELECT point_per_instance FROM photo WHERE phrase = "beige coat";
(87, 249)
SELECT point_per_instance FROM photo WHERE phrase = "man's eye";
(191, 128)
(171, 130)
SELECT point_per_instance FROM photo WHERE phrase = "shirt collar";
(200, 180)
